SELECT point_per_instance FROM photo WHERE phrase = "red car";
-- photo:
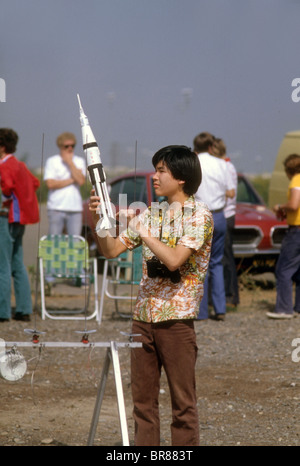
(258, 233)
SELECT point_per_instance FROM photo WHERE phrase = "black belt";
(217, 211)
(3, 214)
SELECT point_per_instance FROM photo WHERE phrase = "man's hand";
(125, 216)
(76, 174)
(94, 202)
(111, 247)
(67, 156)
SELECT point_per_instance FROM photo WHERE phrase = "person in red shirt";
(19, 202)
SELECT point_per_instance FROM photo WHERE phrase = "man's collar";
(5, 157)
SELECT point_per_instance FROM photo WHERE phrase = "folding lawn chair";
(65, 258)
(125, 271)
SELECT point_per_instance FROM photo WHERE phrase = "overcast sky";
(151, 72)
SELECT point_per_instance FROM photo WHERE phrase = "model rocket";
(96, 173)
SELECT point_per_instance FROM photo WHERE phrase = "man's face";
(163, 182)
(68, 147)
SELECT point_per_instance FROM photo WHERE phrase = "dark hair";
(203, 142)
(292, 164)
(8, 139)
(183, 164)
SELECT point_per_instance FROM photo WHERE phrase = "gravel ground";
(248, 380)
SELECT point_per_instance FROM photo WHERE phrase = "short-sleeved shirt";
(293, 217)
(215, 182)
(68, 198)
(159, 299)
(230, 207)
(19, 187)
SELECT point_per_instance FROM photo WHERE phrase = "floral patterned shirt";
(159, 299)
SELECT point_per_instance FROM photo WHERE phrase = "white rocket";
(96, 173)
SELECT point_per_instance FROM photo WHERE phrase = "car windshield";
(246, 193)
(134, 187)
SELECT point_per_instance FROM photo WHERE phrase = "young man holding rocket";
(176, 239)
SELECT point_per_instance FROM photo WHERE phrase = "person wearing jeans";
(214, 282)
(229, 265)
(5, 271)
(215, 188)
(12, 265)
(287, 271)
(19, 273)
(19, 208)
(288, 265)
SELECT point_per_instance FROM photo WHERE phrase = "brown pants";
(171, 345)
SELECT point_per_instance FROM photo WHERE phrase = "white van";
(279, 181)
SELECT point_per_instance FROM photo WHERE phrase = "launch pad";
(111, 356)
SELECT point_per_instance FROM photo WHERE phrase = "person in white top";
(64, 174)
(230, 273)
(215, 188)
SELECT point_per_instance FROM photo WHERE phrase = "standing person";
(215, 187)
(288, 264)
(19, 200)
(5, 261)
(229, 265)
(176, 240)
(64, 174)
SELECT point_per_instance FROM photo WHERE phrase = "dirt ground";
(248, 379)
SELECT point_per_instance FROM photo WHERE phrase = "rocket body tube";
(96, 172)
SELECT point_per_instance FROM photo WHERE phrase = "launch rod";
(70, 344)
